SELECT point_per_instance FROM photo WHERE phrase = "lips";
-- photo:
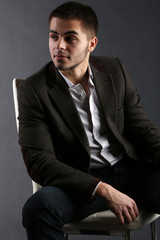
(60, 56)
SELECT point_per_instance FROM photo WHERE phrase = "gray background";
(128, 29)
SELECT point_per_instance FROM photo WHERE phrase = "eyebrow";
(66, 33)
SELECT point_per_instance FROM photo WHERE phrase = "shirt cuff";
(93, 193)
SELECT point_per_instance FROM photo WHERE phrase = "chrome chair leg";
(153, 231)
(127, 235)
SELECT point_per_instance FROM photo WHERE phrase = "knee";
(43, 202)
(33, 207)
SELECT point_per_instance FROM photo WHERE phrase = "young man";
(84, 134)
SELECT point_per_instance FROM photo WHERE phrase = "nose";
(61, 44)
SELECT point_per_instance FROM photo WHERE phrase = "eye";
(54, 37)
(70, 38)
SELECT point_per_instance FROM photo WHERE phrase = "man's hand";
(120, 204)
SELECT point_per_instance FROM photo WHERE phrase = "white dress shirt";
(93, 122)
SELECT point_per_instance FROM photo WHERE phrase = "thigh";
(58, 202)
(148, 190)
(140, 181)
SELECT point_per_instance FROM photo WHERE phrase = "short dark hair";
(77, 10)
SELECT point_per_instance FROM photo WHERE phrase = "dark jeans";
(50, 208)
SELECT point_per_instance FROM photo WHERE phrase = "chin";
(61, 68)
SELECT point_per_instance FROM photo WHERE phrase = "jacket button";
(85, 170)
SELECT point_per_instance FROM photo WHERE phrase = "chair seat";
(106, 221)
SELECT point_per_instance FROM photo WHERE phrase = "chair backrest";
(15, 84)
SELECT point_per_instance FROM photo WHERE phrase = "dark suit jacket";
(52, 137)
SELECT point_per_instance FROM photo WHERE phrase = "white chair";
(100, 223)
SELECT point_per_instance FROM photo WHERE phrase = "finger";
(136, 209)
(133, 210)
(128, 216)
(120, 216)
(133, 214)
(121, 219)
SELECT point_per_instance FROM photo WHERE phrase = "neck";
(79, 73)
(76, 76)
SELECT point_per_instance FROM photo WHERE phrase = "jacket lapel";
(106, 93)
(61, 96)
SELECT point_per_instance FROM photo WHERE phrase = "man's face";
(69, 43)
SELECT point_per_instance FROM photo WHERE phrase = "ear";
(92, 44)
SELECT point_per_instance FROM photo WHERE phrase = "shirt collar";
(71, 85)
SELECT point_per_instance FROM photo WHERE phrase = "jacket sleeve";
(139, 128)
(38, 149)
